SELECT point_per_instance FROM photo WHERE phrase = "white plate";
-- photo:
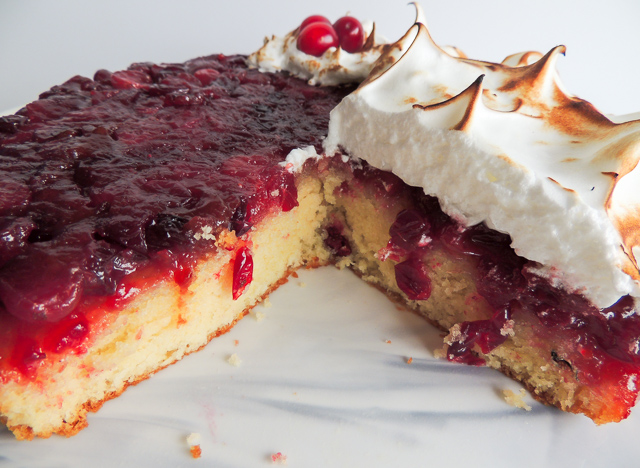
(319, 383)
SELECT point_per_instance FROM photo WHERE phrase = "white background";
(318, 382)
(43, 43)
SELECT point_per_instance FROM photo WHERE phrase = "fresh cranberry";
(242, 272)
(313, 19)
(316, 38)
(412, 279)
(350, 32)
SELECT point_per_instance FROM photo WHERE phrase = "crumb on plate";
(234, 360)
(193, 440)
(516, 399)
(279, 458)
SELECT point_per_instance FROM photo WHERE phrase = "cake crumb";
(258, 315)
(234, 360)
(508, 328)
(279, 458)
(227, 240)
(387, 341)
(516, 399)
(343, 263)
(441, 353)
(409, 360)
(302, 284)
(236, 342)
(266, 302)
(205, 233)
(193, 440)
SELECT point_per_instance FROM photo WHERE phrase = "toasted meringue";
(334, 67)
(505, 144)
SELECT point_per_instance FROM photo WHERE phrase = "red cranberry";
(413, 280)
(487, 334)
(316, 38)
(313, 19)
(350, 32)
(242, 272)
(410, 230)
(281, 188)
(391, 251)
(206, 75)
(127, 79)
(41, 287)
(336, 242)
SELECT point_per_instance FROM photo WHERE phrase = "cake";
(145, 211)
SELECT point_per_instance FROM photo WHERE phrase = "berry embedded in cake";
(144, 212)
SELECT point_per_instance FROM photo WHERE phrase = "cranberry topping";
(316, 38)
(68, 333)
(48, 292)
(411, 230)
(350, 33)
(278, 191)
(487, 334)
(104, 182)
(242, 272)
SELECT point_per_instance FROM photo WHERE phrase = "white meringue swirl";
(334, 67)
(505, 144)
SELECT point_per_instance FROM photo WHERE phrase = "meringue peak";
(540, 164)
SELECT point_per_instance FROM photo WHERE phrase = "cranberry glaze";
(104, 182)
